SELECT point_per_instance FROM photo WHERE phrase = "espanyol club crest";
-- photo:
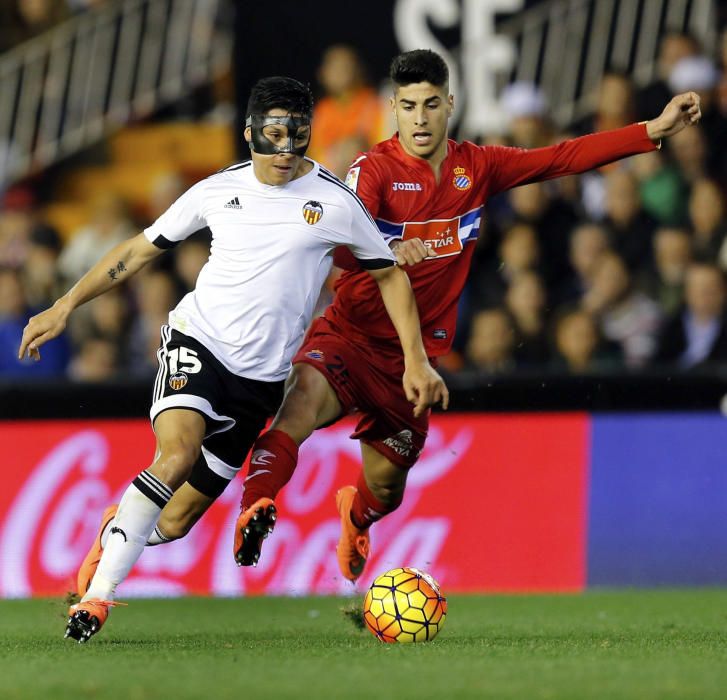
(178, 381)
(315, 354)
(461, 179)
(312, 212)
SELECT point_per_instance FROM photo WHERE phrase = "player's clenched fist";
(424, 387)
(42, 328)
(681, 111)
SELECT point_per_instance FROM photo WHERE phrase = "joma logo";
(408, 186)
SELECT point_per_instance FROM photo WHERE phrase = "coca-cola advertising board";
(495, 503)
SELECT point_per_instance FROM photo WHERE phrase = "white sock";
(156, 537)
(138, 513)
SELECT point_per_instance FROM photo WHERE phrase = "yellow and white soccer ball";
(404, 605)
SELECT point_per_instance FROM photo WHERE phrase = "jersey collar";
(420, 163)
(281, 188)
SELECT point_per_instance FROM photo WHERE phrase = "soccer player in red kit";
(427, 195)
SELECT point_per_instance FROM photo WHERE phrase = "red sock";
(274, 457)
(366, 508)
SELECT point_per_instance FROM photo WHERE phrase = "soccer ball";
(404, 605)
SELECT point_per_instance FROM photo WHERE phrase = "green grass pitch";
(629, 644)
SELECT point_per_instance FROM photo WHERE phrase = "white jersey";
(270, 255)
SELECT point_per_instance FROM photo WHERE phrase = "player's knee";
(304, 402)
(175, 462)
(389, 494)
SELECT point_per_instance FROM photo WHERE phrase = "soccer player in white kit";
(275, 221)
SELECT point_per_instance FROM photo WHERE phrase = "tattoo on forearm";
(114, 272)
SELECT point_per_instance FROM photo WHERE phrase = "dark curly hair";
(419, 66)
(280, 92)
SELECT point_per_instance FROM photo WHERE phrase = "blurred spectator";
(21, 20)
(662, 190)
(491, 343)
(699, 74)
(707, 217)
(14, 314)
(697, 334)
(579, 345)
(615, 105)
(526, 109)
(189, 259)
(688, 148)
(614, 109)
(651, 99)
(525, 301)
(587, 242)
(26, 240)
(109, 226)
(349, 117)
(97, 361)
(17, 220)
(43, 284)
(156, 294)
(165, 190)
(664, 280)
(518, 251)
(107, 316)
(552, 218)
(626, 316)
(630, 226)
(15, 228)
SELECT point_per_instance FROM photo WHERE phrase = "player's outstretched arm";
(511, 167)
(681, 111)
(422, 384)
(117, 265)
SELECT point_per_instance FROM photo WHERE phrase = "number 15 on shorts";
(183, 360)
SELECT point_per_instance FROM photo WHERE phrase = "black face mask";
(261, 144)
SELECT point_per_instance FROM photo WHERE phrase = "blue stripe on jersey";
(471, 218)
(390, 230)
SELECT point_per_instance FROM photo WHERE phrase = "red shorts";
(367, 381)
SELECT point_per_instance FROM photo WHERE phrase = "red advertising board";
(496, 503)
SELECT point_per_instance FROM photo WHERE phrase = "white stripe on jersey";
(271, 252)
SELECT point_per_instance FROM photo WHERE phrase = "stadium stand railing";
(77, 83)
(565, 46)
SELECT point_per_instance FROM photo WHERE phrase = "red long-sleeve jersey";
(403, 196)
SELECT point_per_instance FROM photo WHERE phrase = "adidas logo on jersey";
(233, 204)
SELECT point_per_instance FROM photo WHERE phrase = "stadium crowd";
(621, 269)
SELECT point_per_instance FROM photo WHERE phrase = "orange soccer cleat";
(353, 545)
(90, 563)
(86, 618)
(253, 526)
